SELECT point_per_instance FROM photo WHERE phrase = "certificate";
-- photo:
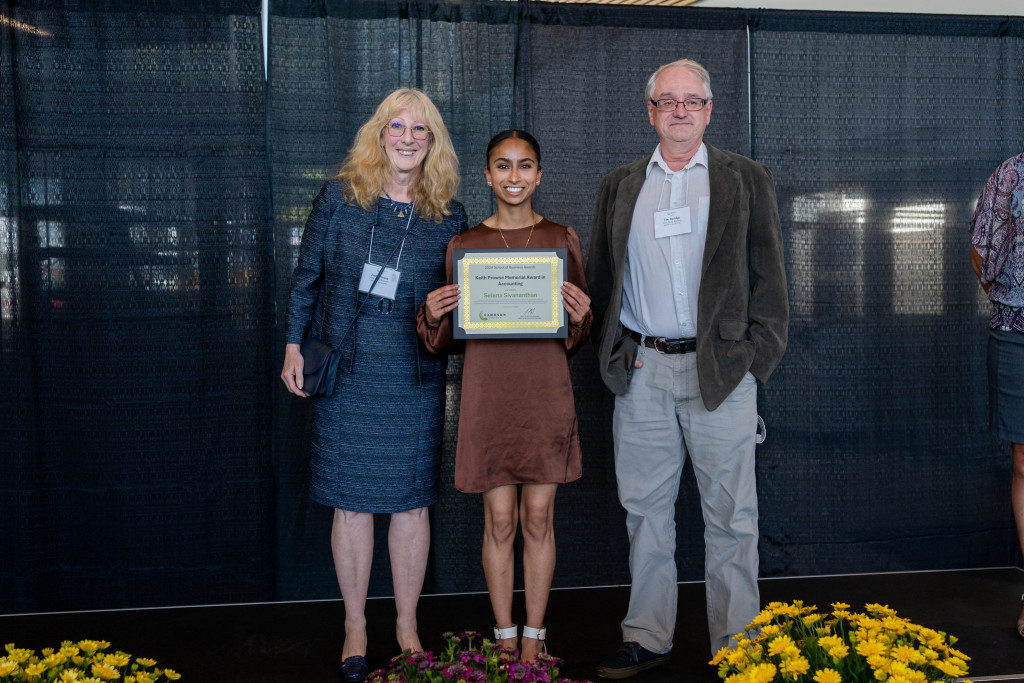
(509, 293)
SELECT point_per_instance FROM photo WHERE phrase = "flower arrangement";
(84, 662)
(461, 661)
(793, 642)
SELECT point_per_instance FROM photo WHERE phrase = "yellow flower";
(811, 619)
(880, 610)
(171, 674)
(840, 605)
(90, 646)
(880, 675)
(839, 651)
(19, 655)
(117, 659)
(762, 673)
(7, 666)
(794, 667)
(105, 671)
(69, 650)
(68, 676)
(956, 653)
(878, 662)
(896, 624)
(54, 659)
(765, 617)
(35, 669)
(908, 654)
(145, 662)
(870, 647)
(950, 668)
(827, 642)
(898, 668)
(769, 630)
(828, 676)
(780, 645)
(78, 660)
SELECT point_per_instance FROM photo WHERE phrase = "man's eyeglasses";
(689, 104)
(396, 129)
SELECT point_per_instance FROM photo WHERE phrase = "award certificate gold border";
(509, 293)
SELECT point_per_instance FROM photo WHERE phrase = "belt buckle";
(660, 345)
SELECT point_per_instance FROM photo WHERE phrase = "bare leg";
(501, 516)
(409, 545)
(538, 514)
(352, 547)
(1017, 496)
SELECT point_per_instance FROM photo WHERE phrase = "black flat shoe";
(354, 669)
(630, 660)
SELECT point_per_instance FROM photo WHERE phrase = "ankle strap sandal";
(536, 634)
(510, 632)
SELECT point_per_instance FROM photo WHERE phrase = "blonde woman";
(376, 440)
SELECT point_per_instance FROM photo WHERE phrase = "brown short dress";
(517, 422)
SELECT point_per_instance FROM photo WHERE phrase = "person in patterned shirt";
(997, 254)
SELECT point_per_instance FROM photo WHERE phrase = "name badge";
(672, 222)
(386, 286)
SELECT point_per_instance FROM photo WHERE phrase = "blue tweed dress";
(376, 442)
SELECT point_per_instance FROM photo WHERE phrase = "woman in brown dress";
(517, 422)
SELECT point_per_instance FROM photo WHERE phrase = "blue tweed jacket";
(325, 282)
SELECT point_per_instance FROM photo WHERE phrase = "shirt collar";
(700, 157)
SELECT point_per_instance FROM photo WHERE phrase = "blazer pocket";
(623, 354)
(733, 330)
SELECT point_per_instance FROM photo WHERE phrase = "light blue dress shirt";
(662, 274)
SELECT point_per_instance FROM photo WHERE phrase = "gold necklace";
(527, 237)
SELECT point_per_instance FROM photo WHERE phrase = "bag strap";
(369, 290)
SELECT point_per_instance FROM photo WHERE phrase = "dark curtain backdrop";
(879, 154)
(136, 285)
(880, 130)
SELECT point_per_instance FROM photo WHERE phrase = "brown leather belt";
(664, 344)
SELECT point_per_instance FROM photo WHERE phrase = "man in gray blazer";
(688, 289)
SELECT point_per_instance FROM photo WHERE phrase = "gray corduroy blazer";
(742, 306)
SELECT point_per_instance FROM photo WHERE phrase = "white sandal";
(537, 634)
(505, 633)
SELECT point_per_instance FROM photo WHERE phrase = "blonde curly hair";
(367, 169)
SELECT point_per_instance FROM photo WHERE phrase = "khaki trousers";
(656, 425)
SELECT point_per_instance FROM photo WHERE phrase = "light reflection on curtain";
(879, 152)
(136, 299)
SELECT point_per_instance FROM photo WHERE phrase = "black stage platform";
(299, 642)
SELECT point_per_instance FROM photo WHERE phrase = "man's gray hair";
(693, 66)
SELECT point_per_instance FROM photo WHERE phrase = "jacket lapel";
(725, 185)
(625, 202)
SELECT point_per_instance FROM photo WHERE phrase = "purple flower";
(421, 658)
(456, 670)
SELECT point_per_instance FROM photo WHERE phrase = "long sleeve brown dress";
(517, 421)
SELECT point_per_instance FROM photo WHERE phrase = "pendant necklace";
(527, 238)
(399, 208)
